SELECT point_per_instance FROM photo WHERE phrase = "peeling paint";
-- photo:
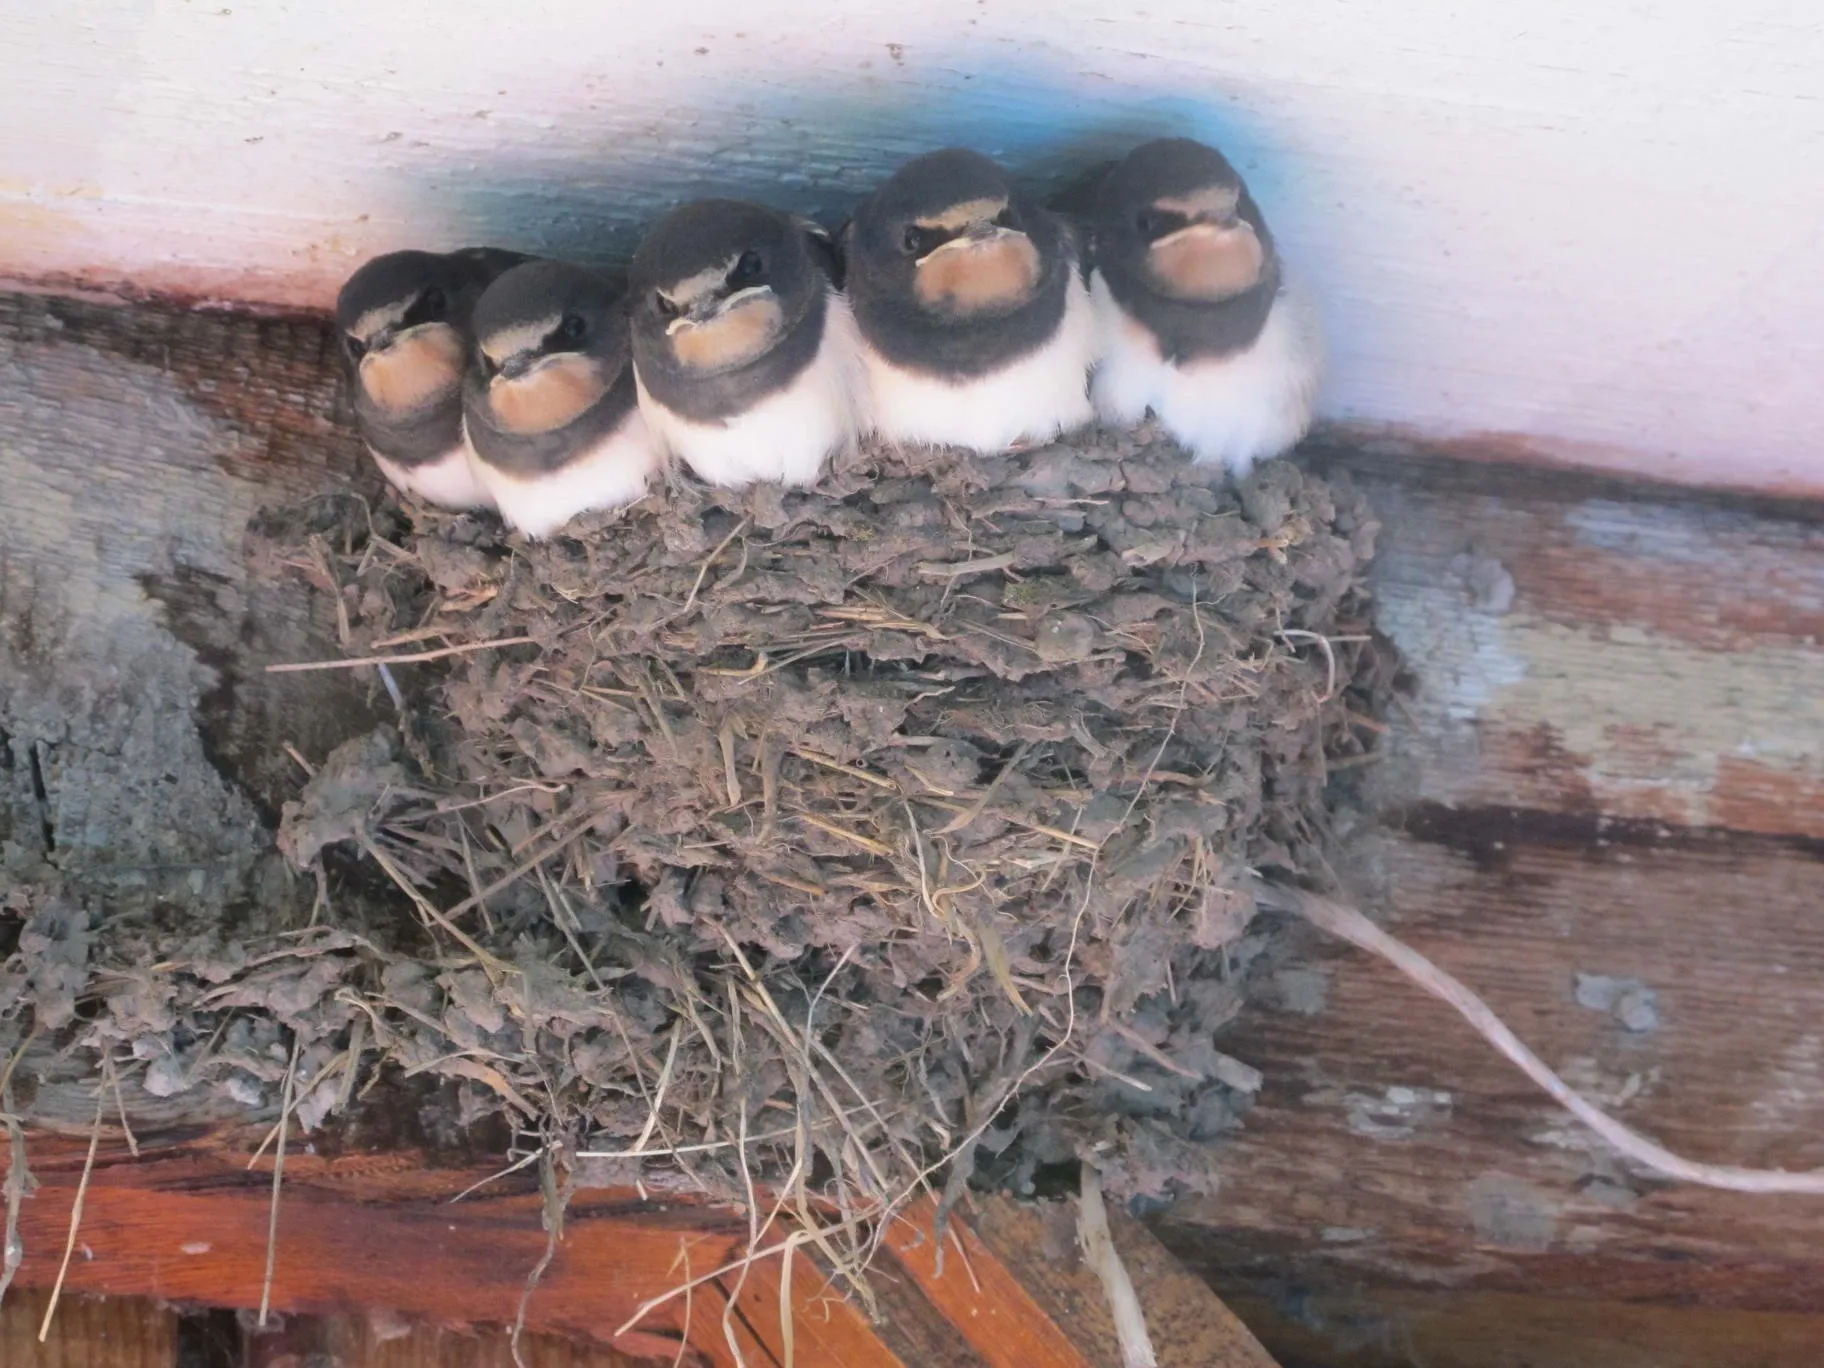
(1709, 700)
(1466, 657)
(1398, 1113)
(1696, 710)
(1512, 1213)
(1634, 1005)
(1304, 990)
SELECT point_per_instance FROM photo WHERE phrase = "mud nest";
(850, 841)
(893, 829)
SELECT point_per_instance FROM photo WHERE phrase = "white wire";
(1348, 924)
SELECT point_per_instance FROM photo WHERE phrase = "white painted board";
(1591, 228)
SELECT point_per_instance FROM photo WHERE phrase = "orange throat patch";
(421, 366)
(1206, 263)
(967, 277)
(732, 338)
(554, 394)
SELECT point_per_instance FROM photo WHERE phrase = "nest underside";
(851, 839)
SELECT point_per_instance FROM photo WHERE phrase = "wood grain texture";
(978, 1294)
(386, 1341)
(1396, 1329)
(190, 1225)
(87, 1332)
(1608, 686)
(1580, 648)
(132, 637)
(1611, 763)
(1511, 228)
(369, 1259)
(826, 1326)
(1189, 1326)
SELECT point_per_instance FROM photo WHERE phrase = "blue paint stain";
(816, 149)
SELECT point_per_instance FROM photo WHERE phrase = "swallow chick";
(549, 403)
(1194, 319)
(975, 323)
(743, 347)
(404, 324)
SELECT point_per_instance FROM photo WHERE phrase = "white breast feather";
(612, 473)
(449, 481)
(1034, 398)
(1232, 410)
(787, 436)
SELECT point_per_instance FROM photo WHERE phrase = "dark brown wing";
(826, 249)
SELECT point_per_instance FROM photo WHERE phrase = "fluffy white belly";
(450, 481)
(787, 436)
(1230, 410)
(615, 472)
(1034, 398)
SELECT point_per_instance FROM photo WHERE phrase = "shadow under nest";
(885, 833)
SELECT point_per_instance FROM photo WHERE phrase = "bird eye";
(356, 347)
(748, 269)
(434, 303)
(1007, 218)
(1146, 223)
(914, 240)
(664, 305)
(574, 328)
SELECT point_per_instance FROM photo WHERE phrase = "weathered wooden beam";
(1383, 1327)
(1188, 1325)
(87, 1332)
(998, 1316)
(1612, 764)
(188, 1223)
(387, 1245)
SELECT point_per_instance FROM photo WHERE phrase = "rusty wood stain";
(979, 1295)
(188, 1225)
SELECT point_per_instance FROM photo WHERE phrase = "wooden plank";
(1526, 835)
(191, 1226)
(361, 1341)
(1612, 764)
(1390, 1141)
(1188, 1324)
(1398, 1328)
(1590, 647)
(141, 742)
(87, 1332)
(188, 1223)
(826, 1326)
(980, 1295)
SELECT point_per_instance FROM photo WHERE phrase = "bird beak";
(516, 365)
(987, 268)
(1193, 232)
(978, 237)
(708, 307)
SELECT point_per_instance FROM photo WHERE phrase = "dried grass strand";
(278, 1182)
(411, 658)
(82, 1193)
